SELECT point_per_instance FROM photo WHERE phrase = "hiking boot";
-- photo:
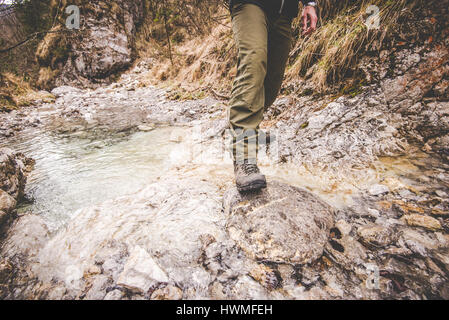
(248, 177)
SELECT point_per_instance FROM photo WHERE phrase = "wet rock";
(110, 259)
(406, 194)
(442, 88)
(217, 291)
(7, 203)
(417, 220)
(279, 223)
(132, 238)
(25, 237)
(286, 273)
(93, 270)
(224, 260)
(169, 292)
(373, 213)
(13, 172)
(141, 272)
(20, 248)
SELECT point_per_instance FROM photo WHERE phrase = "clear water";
(72, 173)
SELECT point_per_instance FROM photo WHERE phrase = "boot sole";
(252, 187)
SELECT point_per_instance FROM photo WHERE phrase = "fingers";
(304, 22)
(313, 22)
(306, 29)
(309, 17)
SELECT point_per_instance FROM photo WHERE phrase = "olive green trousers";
(263, 44)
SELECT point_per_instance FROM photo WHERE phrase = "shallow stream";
(74, 171)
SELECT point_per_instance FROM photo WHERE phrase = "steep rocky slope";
(103, 46)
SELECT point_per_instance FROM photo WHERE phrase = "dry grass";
(17, 92)
(331, 53)
(327, 59)
(200, 61)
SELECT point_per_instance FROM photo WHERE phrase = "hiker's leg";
(249, 24)
(279, 45)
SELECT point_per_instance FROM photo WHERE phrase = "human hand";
(309, 16)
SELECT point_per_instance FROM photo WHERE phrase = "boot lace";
(250, 168)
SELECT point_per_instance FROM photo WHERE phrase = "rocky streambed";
(132, 197)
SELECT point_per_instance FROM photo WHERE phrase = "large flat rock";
(281, 223)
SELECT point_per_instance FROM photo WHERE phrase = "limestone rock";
(376, 235)
(63, 90)
(343, 226)
(418, 241)
(98, 288)
(108, 35)
(7, 203)
(5, 269)
(246, 288)
(417, 220)
(265, 276)
(141, 272)
(444, 260)
(169, 292)
(14, 167)
(57, 293)
(346, 251)
(114, 295)
(26, 236)
(378, 189)
(19, 249)
(3, 217)
(166, 220)
(281, 223)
